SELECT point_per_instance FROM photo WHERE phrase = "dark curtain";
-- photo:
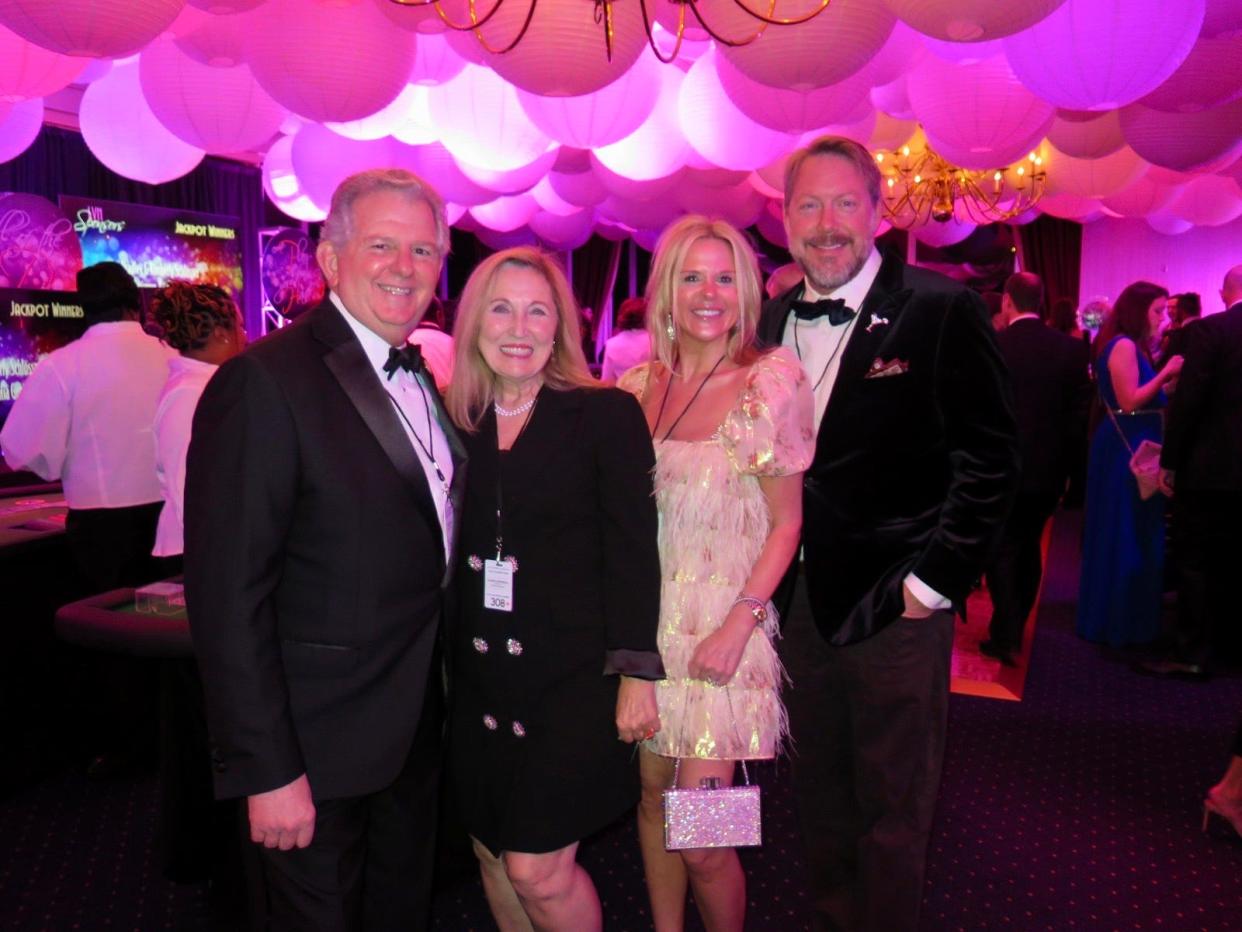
(1052, 249)
(59, 162)
(594, 274)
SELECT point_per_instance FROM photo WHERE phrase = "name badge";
(498, 585)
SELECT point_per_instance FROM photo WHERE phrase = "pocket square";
(883, 368)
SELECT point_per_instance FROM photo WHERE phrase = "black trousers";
(868, 723)
(369, 866)
(1017, 567)
(111, 547)
(1209, 553)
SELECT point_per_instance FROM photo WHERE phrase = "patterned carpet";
(1078, 807)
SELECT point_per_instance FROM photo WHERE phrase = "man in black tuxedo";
(1052, 391)
(1201, 467)
(913, 475)
(322, 478)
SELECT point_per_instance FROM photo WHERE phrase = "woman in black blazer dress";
(558, 583)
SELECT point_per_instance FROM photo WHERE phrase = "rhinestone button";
(519, 729)
(480, 645)
(489, 722)
(514, 646)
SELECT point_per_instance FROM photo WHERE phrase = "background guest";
(436, 345)
(1063, 318)
(1183, 311)
(631, 344)
(994, 302)
(1123, 541)
(782, 279)
(551, 658)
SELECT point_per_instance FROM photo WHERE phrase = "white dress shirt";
(173, 415)
(437, 347)
(84, 416)
(418, 417)
(623, 351)
(820, 345)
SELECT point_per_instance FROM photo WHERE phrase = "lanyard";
(500, 462)
(428, 448)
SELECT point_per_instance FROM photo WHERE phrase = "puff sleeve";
(770, 431)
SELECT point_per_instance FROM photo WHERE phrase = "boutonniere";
(876, 321)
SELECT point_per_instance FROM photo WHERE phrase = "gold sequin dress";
(713, 524)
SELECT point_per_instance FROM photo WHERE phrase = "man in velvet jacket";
(914, 473)
(322, 478)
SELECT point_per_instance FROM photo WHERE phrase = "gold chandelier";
(763, 12)
(920, 185)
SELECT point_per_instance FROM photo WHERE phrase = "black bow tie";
(409, 357)
(836, 309)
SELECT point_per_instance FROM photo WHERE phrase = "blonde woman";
(732, 431)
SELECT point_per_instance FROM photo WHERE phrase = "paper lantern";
(511, 180)
(613, 232)
(408, 118)
(793, 57)
(1094, 178)
(943, 234)
(1168, 224)
(90, 28)
(225, 6)
(1145, 196)
(219, 41)
(756, 181)
(563, 233)
(122, 132)
(28, 71)
(894, 99)
(572, 161)
(564, 50)
(19, 126)
(978, 116)
(505, 214)
(322, 159)
(1208, 201)
(657, 148)
(1103, 54)
(437, 167)
(580, 188)
(1222, 17)
(435, 61)
(717, 129)
(216, 109)
(602, 117)
(790, 111)
(903, 49)
(1086, 135)
(964, 53)
(971, 20)
(299, 48)
(481, 121)
(1183, 141)
(636, 189)
(498, 240)
(860, 131)
(280, 182)
(740, 204)
(187, 21)
(890, 133)
(1070, 207)
(1209, 76)
(551, 202)
(639, 215)
(421, 19)
(771, 224)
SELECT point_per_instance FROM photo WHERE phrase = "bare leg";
(506, 907)
(555, 891)
(664, 870)
(715, 873)
(1230, 785)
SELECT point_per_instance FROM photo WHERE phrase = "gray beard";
(829, 285)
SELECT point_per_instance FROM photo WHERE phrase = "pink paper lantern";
(601, 117)
(19, 127)
(219, 41)
(28, 71)
(1145, 196)
(980, 115)
(1070, 207)
(1103, 54)
(408, 119)
(771, 224)
(564, 51)
(790, 111)
(943, 234)
(120, 129)
(225, 6)
(563, 233)
(551, 202)
(505, 214)
(1094, 178)
(894, 99)
(793, 57)
(1208, 77)
(890, 133)
(421, 19)
(481, 121)
(635, 189)
(1222, 17)
(511, 180)
(280, 183)
(297, 49)
(437, 166)
(1208, 201)
(435, 62)
(1168, 224)
(757, 182)
(971, 20)
(717, 129)
(740, 204)
(216, 109)
(322, 159)
(638, 215)
(498, 240)
(903, 49)
(1183, 141)
(582, 189)
(657, 148)
(90, 28)
(1086, 135)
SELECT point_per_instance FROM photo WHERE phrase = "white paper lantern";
(890, 133)
(1222, 18)
(563, 232)
(219, 41)
(582, 189)
(217, 109)
(322, 159)
(1183, 141)
(19, 127)
(1208, 77)
(564, 52)
(551, 202)
(740, 204)
(122, 132)
(717, 129)
(280, 182)
(435, 61)
(408, 118)
(1070, 207)
(1103, 54)
(481, 121)
(511, 180)
(793, 57)
(298, 50)
(635, 189)
(1086, 135)
(894, 99)
(422, 19)
(943, 234)
(437, 167)
(1208, 201)
(657, 148)
(225, 6)
(903, 49)
(505, 214)
(971, 20)
(90, 28)
(28, 71)
(638, 215)
(1145, 196)
(602, 117)
(978, 116)
(1094, 178)
(1168, 224)
(790, 111)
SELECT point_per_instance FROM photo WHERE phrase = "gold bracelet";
(758, 607)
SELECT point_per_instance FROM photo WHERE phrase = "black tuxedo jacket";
(1052, 394)
(916, 458)
(1203, 431)
(314, 565)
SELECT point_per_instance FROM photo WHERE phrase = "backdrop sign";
(38, 248)
(157, 245)
(32, 324)
(292, 282)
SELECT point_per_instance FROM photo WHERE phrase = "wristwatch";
(758, 607)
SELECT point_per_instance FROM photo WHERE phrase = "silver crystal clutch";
(712, 816)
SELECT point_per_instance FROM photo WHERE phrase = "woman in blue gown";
(1123, 545)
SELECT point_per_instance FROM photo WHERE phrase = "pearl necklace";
(514, 412)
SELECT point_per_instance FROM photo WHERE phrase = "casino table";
(111, 622)
(31, 520)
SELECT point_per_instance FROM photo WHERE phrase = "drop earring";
(668, 329)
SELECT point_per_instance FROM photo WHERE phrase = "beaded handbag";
(711, 815)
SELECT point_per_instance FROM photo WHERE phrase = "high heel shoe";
(1228, 809)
